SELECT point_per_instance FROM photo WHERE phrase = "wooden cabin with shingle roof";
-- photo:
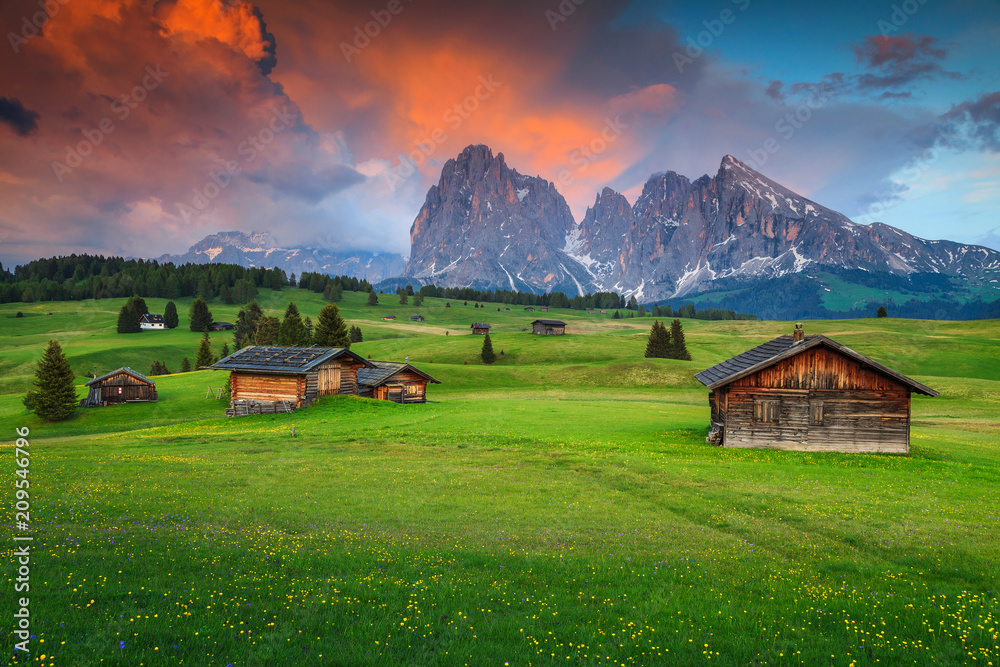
(389, 381)
(119, 386)
(809, 393)
(297, 375)
(481, 328)
(549, 327)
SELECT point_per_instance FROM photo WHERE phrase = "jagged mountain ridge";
(484, 225)
(258, 249)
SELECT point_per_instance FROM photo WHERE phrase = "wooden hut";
(529, 309)
(222, 326)
(481, 328)
(417, 318)
(296, 375)
(548, 327)
(388, 381)
(120, 386)
(809, 393)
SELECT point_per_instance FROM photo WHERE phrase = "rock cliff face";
(487, 226)
(258, 249)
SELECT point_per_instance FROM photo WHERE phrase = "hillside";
(561, 502)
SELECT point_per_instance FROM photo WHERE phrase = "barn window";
(816, 413)
(765, 411)
(412, 389)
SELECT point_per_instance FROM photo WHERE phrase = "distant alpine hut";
(480, 328)
(291, 375)
(152, 322)
(221, 326)
(396, 382)
(809, 393)
(389, 318)
(548, 327)
(417, 318)
(120, 386)
(544, 309)
(529, 309)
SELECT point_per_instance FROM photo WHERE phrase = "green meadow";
(558, 507)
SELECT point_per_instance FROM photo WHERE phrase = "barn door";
(329, 380)
(396, 394)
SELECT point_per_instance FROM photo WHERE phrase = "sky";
(137, 128)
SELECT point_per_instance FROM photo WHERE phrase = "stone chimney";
(799, 334)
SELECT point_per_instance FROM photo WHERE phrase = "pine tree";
(309, 328)
(170, 319)
(139, 304)
(402, 297)
(226, 295)
(54, 396)
(372, 298)
(267, 331)
(677, 345)
(447, 304)
(292, 331)
(616, 316)
(201, 316)
(487, 353)
(355, 335)
(331, 330)
(225, 350)
(186, 365)
(632, 304)
(247, 322)
(882, 312)
(418, 298)
(204, 356)
(128, 319)
(658, 346)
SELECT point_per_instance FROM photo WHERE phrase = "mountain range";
(485, 225)
(258, 249)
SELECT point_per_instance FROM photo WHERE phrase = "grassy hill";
(558, 506)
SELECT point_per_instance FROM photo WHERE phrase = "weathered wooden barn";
(480, 328)
(809, 393)
(417, 318)
(389, 381)
(222, 326)
(295, 374)
(548, 327)
(120, 386)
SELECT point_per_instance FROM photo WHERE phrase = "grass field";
(558, 507)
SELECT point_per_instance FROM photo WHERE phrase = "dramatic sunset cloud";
(138, 126)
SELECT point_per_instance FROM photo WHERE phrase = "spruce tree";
(170, 319)
(418, 298)
(247, 322)
(226, 295)
(54, 396)
(331, 330)
(632, 304)
(882, 312)
(201, 316)
(292, 332)
(139, 304)
(186, 365)
(225, 350)
(204, 356)
(372, 298)
(128, 319)
(402, 297)
(658, 346)
(677, 345)
(487, 353)
(355, 335)
(267, 331)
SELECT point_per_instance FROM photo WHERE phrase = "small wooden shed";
(295, 374)
(480, 328)
(548, 327)
(417, 318)
(120, 386)
(152, 322)
(389, 381)
(809, 393)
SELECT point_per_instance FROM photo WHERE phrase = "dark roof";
(124, 369)
(783, 347)
(151, 319)
(416, 317)
(383, 370)
(222, 324)
(480, 325)
(551, 323)
(282, 360)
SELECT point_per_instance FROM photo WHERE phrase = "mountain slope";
(486, 226)
(258, 249)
